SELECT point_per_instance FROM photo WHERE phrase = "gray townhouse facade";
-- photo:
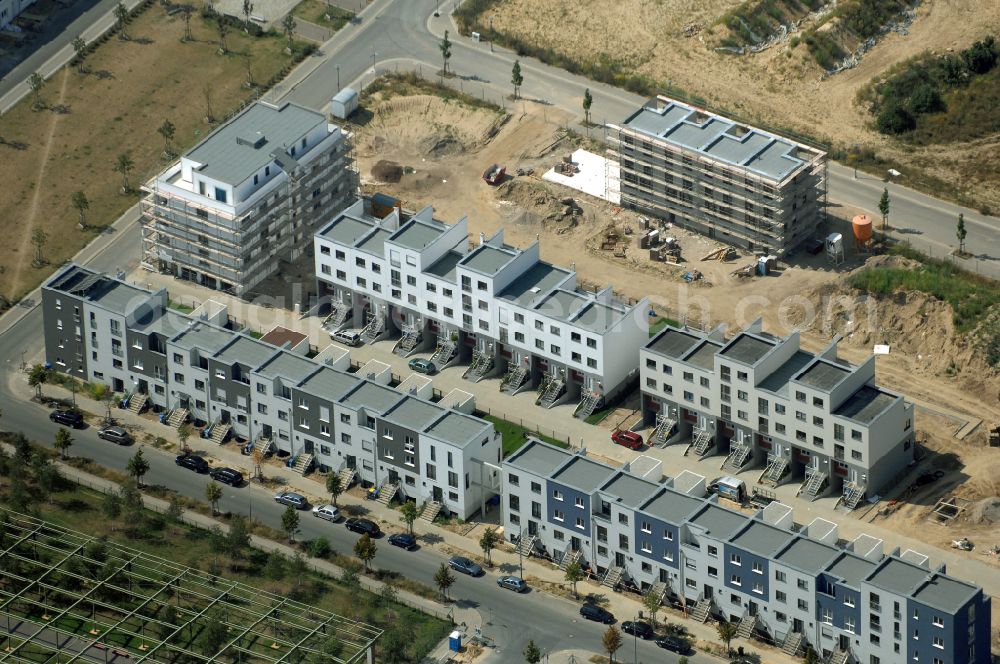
(795, 584)
(409, 276)
(734, 183)
(766, 404)
(251, 193)
(312, 408)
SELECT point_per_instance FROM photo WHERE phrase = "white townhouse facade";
(500, 308)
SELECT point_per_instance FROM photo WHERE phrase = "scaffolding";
(68, 597)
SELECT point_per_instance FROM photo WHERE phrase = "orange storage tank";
(862, 225)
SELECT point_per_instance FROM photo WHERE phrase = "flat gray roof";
(807, 555)
(371, 396)
(246, 351)
(561, 304)
(329, 384)
(823, 375)
(98, 288)
(599, 317)
(534, 283)
(287, 365)
(945, 593)
(444, 267)
(538, 458)
(417, 234)
(168, 323)
(487, 259)
(630, 491)
(413, 413)
(865, 405)
(672, 506)
(347, 230)
(717, 521)
(851, 569)
(672, 343)
(777, 382)
(375, 243)
(704, 355)
(898, 576)
(268, 127)
(583, 474)
(458, 429)
(746, 349)
(761, 538)
(718, 138)
(203, 336)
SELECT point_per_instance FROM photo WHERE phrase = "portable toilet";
(455, 641)
(762, 266)
(344, 103)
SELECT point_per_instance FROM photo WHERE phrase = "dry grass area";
(131, 89)
(779, 86)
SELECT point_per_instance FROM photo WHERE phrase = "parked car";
(674, 644)
(403, 541)
(513, 583)
(638, 628)
(115, 435)
(363, 527)
(292, 499)
(327, 512)
(192, 462)
(227, 476)
(597, 614)
(465, 566)
(346, 337)
(421, 365)
(69, 418)
(629, 439)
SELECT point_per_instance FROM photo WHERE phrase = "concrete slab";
(598, 177)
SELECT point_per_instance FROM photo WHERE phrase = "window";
(849, 601)
(713, 572)
(688, 376)
(540, 344)
(536, 487)
(591, 342)
(838, 431)
(800, 396)
(646, 547)
(803, 605)
(736, 580)
(855, 434)
(856, 455)
(742, 375)
(559, 535)
(780, 596)
(688, 396)
(826, 615)
(779, 409)
(554, 349)
(557, 494)
(578, 502)
(779, 576)
(849, 624)
(818, 402)
(558, 515)
(513, 479)
(518, 318)
(741, 395)
(802, 584)
(452, 479)
(937, 621)
(262, 409)
(668, 535)
(713, 551)
(758, 588)
(579, 523)
(646, 527)
(345, 438)
(817, 421)
(324, 429)
(623, 518)
(734, 558)
(592, 364)
(539, 325)
(757, 567)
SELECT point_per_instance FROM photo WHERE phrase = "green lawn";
(514, 435)
(316, 11)
(661, 323)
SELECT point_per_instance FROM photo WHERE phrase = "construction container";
(344, 103)
(862, 225)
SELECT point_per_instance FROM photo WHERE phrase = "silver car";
(327, 512)
(115, 435)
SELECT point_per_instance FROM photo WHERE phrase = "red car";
(629, 439)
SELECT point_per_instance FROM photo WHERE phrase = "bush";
(895, 120)
(981, 57)
(319, 548)
(926, 99)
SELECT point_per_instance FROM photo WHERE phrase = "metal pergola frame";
(52, 589)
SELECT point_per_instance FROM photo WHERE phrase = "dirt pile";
(985, 511)
(387, 171)
(538, 200)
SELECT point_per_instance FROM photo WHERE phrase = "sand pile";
(537, 199)
(387, 171)
(985, 511)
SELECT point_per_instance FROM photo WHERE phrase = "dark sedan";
(403, 541)
(192, 462)
(674, 644)
(363, 526)
(465, 566)
(640, 629)
(597, 614)
(69, 418)
(227, 476)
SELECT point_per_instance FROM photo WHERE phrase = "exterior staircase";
(373, 329)
(178, 416)
(613, 576)
(839, 657)
(409, 341)
(526, 545)
(664, 427)
(792, 643)
(570, 556)
(514, 379)
(776, 467)
(588, 404)
(552, 392)
(387, 492)
(479, 367)
(658, 590)
(219, 433)
(443, 353)
(136, 402)
(744, 629)
(338, 316)
(700, 443)
(701, 610)
(431, 509)
(346, 477)
(813, 484)
(853, 496)
(303, 463)
(738, 455)
(263, 444)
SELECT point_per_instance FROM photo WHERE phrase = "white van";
(346, 337)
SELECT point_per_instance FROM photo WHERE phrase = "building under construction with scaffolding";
(68, 597)
(737, 184)
(249, 195)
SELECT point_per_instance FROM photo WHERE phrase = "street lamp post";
(520, 554)
(491, 34)
(338, 78)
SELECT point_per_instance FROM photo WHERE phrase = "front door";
(310, 447)
(619, 559)
(265, 431)
(532, 528)
(664, 576)
(845, 642)
(438, 496)
(352, 462)
(575, 543)
(393, 477)
(752, 608)
(143, 387)
(708, 591)
(224, 417)
(797, 625)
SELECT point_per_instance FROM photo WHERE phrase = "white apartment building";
(499, 308)
(250, 194)
(762, 401)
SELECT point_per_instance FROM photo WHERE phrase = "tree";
(36, 83)
(39, 238)
(121, 16)
(186, 11)
(811, 656)
(981, 57)
(961, 233)
(445, 47)
(124, 165)
(612, 641)
(215, 633)
(175, 510)
(37, 377)
(209, 116)
(249, 83)
(213, 494)
(883, 207)
(138, 466)
(651, 602)
(112, 507)
(895, 119)
(223, 28)
(290, 522)
(183, 433)
(247, 11)
(319, 547)
(408, 510)
(574, 574)
(926, 99)
(329, 651)
(516, 78)
(81, 204)
(487, 543)
(288, 24)
(80, 47)
(588, 101)
(727, 632)
(238, 538)
(444, 579)
(167, 131)
(334, 487)
(167, 624)
(532, 655)
(274, 569)
(365, 550)
(63, 441)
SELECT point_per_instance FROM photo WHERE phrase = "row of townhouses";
(308, 406)
(763, 402)
(795, 584)
(501, 309)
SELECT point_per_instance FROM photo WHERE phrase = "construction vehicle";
(494, 174)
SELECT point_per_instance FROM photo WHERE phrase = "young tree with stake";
(487, 543)
(365, 550)
(961, 234)
(588, 101)
(408, 513)
(516, 78)
(444, 580)
(81, 204)
(36, 82)
(612, 641)
(290, 522)
(63, 442)
(213, 494)
(124, 165)
(80, 48)
(445, 47)
(138, 466)
(574, 574)
(883, 207)
(334, 487)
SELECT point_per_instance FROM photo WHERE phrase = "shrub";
(981, 57)
(926, 99)
(895, 120)
(319, 548)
